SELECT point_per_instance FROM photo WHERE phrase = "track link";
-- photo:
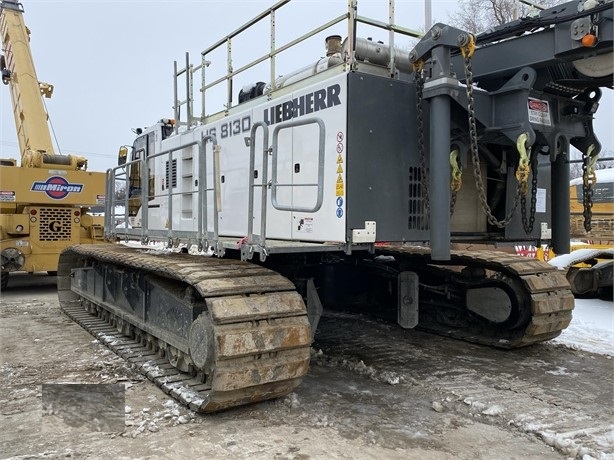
(250, 343)
(545, 288)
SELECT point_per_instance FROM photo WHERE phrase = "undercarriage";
(218, 333)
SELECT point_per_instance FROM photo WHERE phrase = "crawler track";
(229, 333)
(251, 341)
(540, 287)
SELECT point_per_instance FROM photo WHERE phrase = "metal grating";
(55, 224)
(171, 174)
(417, 218)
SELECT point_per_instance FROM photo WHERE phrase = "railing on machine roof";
(349, 58)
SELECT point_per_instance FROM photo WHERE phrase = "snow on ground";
(592, 327)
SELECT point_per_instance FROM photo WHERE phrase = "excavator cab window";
(143, 145)
(138, 150)
(167, 130)
(122, 155)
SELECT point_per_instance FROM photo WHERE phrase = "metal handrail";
(274, 53)
(203, 234)
(350, 16)
(264, 185)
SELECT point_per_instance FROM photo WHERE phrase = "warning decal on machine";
(7, 195)
(539, 112)
(305, 224)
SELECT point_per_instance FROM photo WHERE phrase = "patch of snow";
(161, 247)
(494, 410)
(565, 260)
(391, 378)
(602, 175)
(437, 406)
(477, 405)
(292, 401)
(170, 404)
(591, 329)
(561, 371)
(149, 367)
(568, 446)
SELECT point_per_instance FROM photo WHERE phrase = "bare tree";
(478, 15)
(120, 190)
(606, 164)
(603, 162)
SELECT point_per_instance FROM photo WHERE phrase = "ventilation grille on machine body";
(171, 174)
(55, 224)
(417, 218)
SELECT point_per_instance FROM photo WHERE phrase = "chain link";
(455, 179)
(588, 180)
(475, 157)
(529, 223)
(522, 173)
(424, 178)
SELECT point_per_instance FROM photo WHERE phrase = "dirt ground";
(373, 391)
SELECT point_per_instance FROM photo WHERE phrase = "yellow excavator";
(44, 201)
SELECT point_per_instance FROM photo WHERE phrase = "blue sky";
(111, 61)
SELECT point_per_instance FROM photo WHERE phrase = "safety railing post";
(144, 196)
(177, 111)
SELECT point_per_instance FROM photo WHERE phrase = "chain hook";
(455, 178)
(468, 48)
(455, 172)
(592, 162)
(418, 66)
(589, 161)
(524, 167)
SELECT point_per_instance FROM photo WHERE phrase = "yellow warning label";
(339, 179)
(339, 159)
(339, 169)
(339, 190)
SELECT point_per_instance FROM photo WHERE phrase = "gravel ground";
(373, 391)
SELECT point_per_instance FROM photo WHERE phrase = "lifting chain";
(524, 167)
(467, 52)
(589, 160)
(529, 223)
(455, 183)
(424, 178)
(455, 178)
